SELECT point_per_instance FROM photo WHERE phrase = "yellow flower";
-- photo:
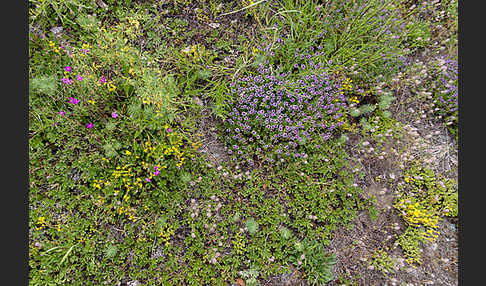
(111, 87)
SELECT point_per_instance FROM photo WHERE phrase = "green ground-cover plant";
(310, 256)
(382, 261)
(425, 199)
(118, 193)
(49, 13)
(418, 34)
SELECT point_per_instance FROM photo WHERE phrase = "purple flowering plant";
(85, 87)
(277, 115)
(446, 92)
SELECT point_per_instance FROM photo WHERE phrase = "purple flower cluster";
(278, 115)
(448, 92)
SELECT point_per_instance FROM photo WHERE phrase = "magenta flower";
(156, 173)
(102, 79)
(66, 80)
(62, 113)
(73, 100)
(114, 114)
(169, 130)
(67, 68)
(89, 125)
(148, 180)
(79, 77)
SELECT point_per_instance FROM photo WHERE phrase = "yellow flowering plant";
(426, 199)
(147, 170)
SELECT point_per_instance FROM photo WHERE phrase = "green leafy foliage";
(122, 95)
(46, 85)
(251, 225)
(426, 199)
(418, 34)
(316, 264)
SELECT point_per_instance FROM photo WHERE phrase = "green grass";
(132, 198)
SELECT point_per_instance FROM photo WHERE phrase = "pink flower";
(156, 173)
(62, 113)
(102, 79)
(114, 114)
(79, 77)
(67, 68)
(66, 80)
(73, 100)
(148, 180)
(89, 125)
